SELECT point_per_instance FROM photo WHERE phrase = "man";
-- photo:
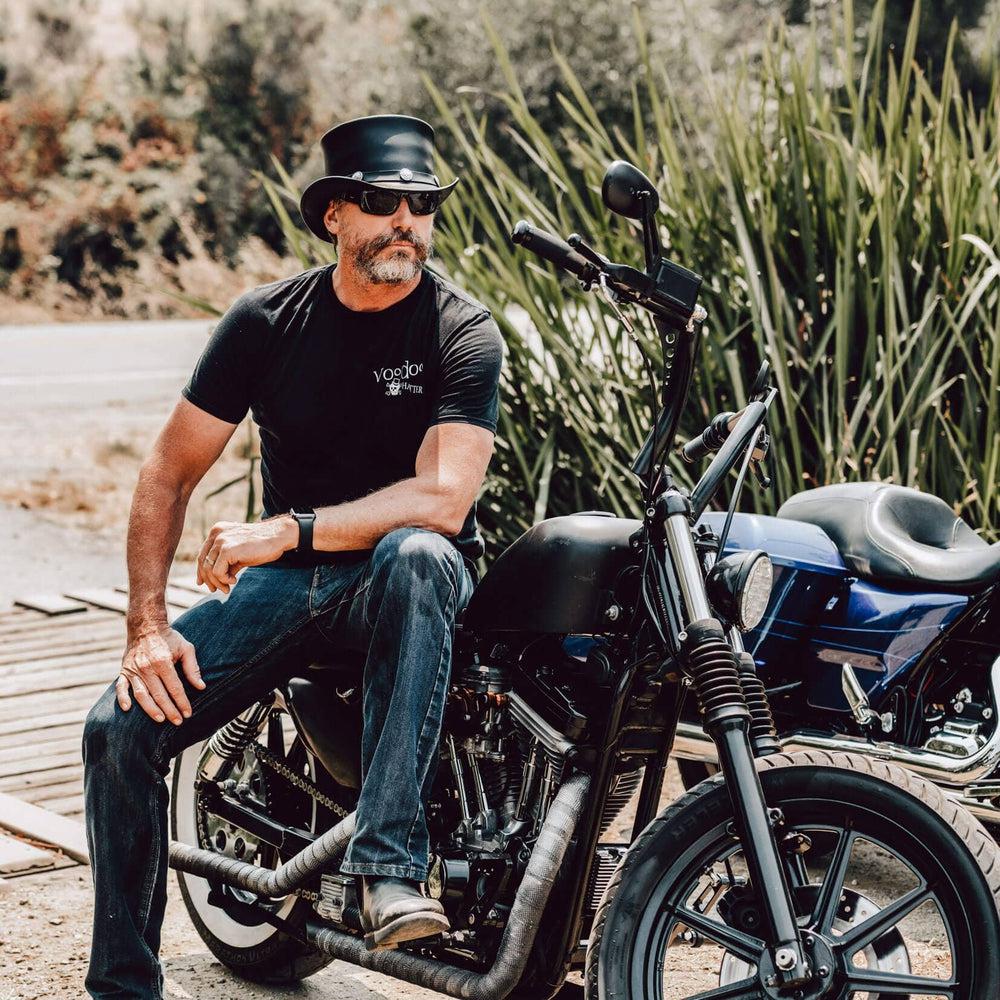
(374, 383)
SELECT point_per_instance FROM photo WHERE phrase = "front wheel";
(896, 889)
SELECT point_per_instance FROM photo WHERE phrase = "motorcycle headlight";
(739, 587)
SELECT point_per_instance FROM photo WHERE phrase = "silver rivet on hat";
(357, 175)
(406, 174)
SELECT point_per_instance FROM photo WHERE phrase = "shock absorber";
(227, 746)
(763, 734)
(715, 673)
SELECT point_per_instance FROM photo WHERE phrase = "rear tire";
(238, 938)
(637, 923)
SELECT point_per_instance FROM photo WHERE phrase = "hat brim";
(317, 197)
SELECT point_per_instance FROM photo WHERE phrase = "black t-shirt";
(343, 398)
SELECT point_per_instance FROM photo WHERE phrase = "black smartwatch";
(305, 516)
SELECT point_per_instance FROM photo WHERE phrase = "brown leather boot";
(393, 910)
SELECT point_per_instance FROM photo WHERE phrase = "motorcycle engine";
(508, 727)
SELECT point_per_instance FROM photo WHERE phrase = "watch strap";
(306, 517)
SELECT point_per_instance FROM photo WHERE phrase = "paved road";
(94, 365)
(66, 390)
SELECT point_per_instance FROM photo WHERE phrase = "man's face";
(384, 249)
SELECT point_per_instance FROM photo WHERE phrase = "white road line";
(84, 377)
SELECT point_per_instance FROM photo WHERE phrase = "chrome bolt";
(823, 972)
(771, 981)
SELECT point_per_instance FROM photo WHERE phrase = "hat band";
(404, 176)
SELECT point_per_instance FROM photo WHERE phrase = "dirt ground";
(45, 922)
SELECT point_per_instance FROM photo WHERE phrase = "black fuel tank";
(555, 577)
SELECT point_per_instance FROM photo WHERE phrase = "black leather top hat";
(387, 151)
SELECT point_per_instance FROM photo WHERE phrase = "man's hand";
(231, 546)
(148, 669)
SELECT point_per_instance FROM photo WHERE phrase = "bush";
(847, 230)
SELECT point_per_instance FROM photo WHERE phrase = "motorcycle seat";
(894, 535)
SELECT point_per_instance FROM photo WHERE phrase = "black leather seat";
(894, 535)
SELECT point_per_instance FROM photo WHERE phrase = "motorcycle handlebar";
(558, 251)
(710, 439)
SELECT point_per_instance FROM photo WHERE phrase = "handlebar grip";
(709, 440)
(553, 249)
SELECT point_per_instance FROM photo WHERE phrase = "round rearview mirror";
(627, 191)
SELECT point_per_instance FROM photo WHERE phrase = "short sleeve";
(224, 377)
(470, 374)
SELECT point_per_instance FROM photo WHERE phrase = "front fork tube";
(712, 661)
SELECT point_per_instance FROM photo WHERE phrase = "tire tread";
(971, 832)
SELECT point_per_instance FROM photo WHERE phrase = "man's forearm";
(359, 524)
(154, 529)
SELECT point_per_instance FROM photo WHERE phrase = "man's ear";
(331, 218)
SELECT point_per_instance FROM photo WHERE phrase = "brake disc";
(886, 953)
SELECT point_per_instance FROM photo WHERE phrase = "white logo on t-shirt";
(397, 380)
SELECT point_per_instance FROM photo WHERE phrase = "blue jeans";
(398, 602)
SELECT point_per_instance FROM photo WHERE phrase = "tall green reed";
(846, 219)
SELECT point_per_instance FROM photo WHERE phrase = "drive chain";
(298, 780)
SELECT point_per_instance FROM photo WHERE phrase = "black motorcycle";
(811, 875)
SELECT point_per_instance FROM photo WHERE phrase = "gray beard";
(398, 268)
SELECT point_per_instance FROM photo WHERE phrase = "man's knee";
(111, 736)
(420, 552)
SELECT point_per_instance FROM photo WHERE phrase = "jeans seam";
(420, 738)
(146, 906)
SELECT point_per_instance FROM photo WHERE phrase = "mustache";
(397, 236)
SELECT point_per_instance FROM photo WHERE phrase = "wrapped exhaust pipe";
(266, 881)
(518, 936)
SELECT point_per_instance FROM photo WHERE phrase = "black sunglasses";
(381, 201)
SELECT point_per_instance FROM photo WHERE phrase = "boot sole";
(410, 927)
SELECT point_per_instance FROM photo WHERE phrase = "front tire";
(853, 811)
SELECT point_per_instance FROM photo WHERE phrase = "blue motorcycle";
(881, 636)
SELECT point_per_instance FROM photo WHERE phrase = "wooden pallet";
(58, 652)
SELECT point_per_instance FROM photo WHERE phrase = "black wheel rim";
(844, 828)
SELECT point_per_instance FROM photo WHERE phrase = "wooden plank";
(41, 794)
(42, 824)
(25, 784)
(50, 604)
(33, 643)
(187, 581)
(27, 766)
(40, 751)
(31, 724)
(76, 652)
(63, 679)
(38, 622)
(67, 805)
(17, 856)
(180, 597)
(50, 701)
(58, 673)
(101, 598)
